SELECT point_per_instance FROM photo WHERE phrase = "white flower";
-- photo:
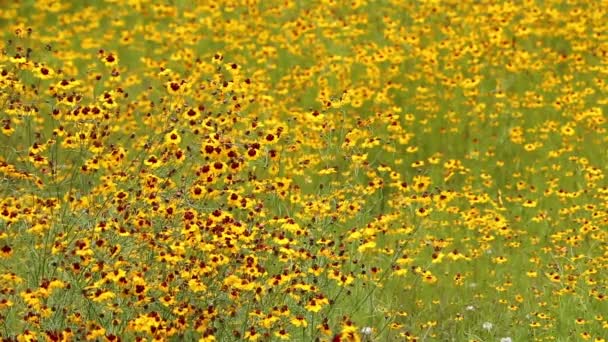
(366, 331)
(487, 325)
(470, 308)
(506, 339)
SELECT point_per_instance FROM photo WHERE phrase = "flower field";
(303, 170)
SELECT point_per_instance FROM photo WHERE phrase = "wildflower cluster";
(391, 170)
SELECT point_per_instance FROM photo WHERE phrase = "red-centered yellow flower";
(252, 334)
(197, 192)
(359, 159)
(18, 59)
(100, 295)
(324, 329)
(269, 321)
(423, 212)
(499, 259)
(153, 162)
(316, 304)
(108, 59)
(207, 337)
(44, 72)
(192, 113)
(568, 130)
(553, 277)
(429, 278)
(282, 334)
(299, 321)
(418, 164)
(217, 58)
(367, 246)
(167, 300)
(175, 87)
(7, 128)
(6, 251)
(342, 279)
(173, 138)
(421, 183)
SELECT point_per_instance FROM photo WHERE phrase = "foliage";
(286, 170)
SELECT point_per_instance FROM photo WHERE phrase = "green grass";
(499, 234)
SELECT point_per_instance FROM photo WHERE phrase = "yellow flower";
(568, 130)
(153, 162)
(299, 321)
(44, 72)
(532, 274)
(109, 59)
(316, 304)
(101, 296)
(173, 138)
(370, 245)
(282, 334)
(499, 260)
(429, 278)
(421, 183)
(6, 251)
